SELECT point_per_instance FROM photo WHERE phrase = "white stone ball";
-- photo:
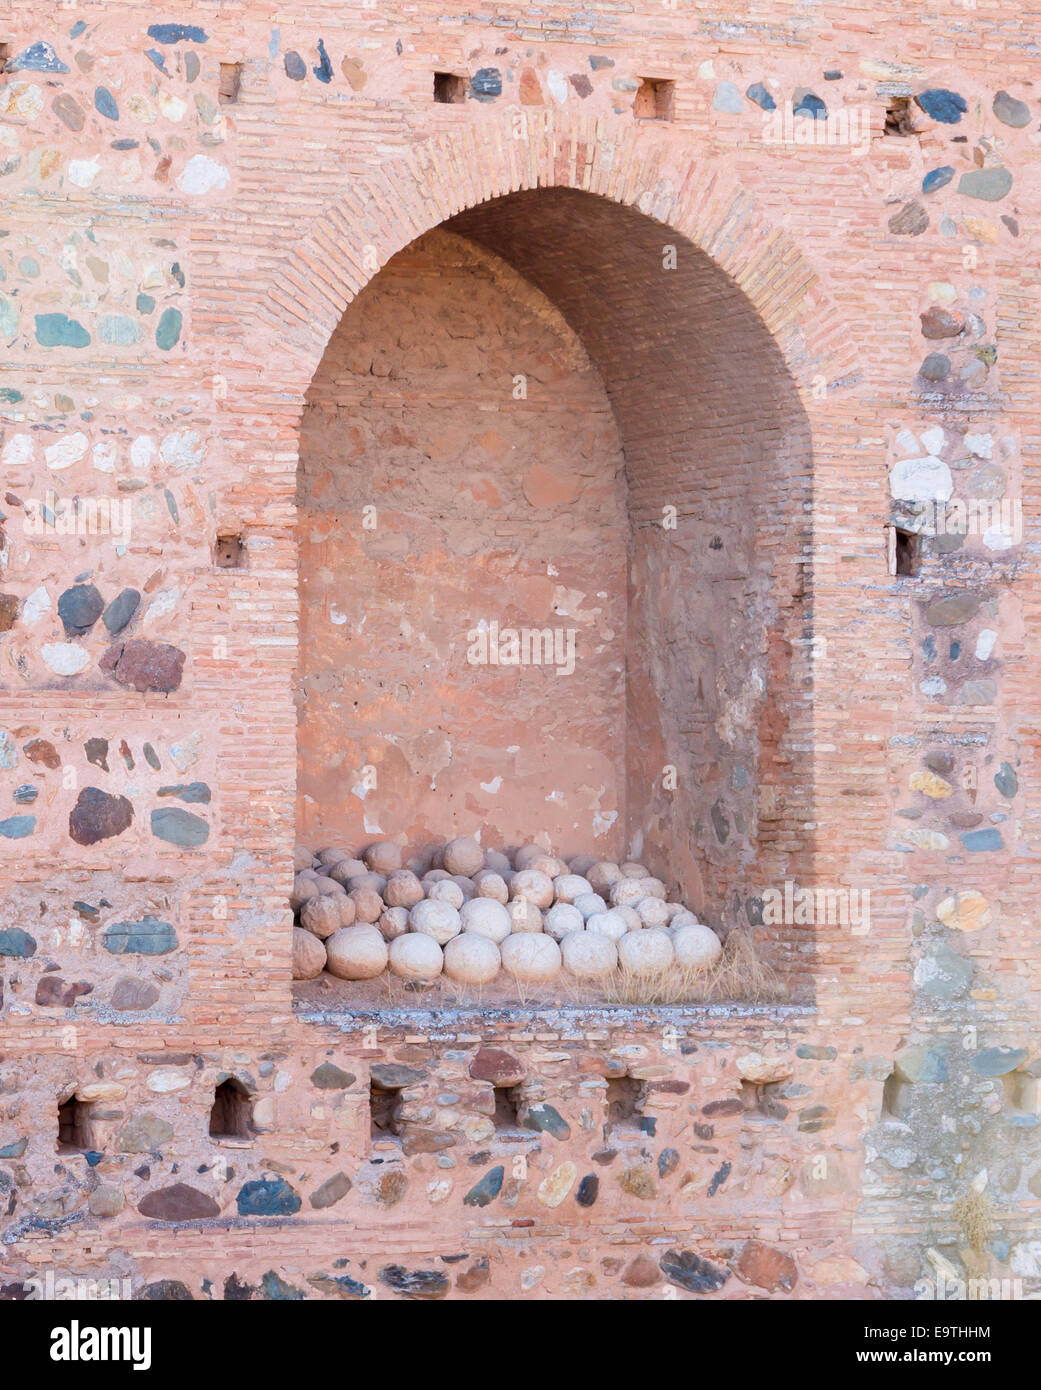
(531, 956)
(463, 856)
(416, 957)
(526, 854)
(524, 916)
(393, 922)
(533, 886)
(644, 952)
(308, 955)
(588, 903)
(446, 892)
(495, 860)
(486, 917)
(439, 920)
(608, 924)
(581, 863)
(684, 918)
(627, 892)
(549, 865)
(697, 947)
(652, 912)
(568, 887)
(630, 917)
(403, 889)
(321, 916)
(602, 875)
(356, 953)
(588, 955)
(561, 919)
(472, 959)
(631, 869)
(674, 909)
(491, 884)
(652, 887)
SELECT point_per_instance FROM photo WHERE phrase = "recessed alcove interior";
(553, 412)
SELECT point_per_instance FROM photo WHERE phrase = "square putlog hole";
(899, 116)
(75, 1127)
(655, 99)
(231, 1116)
(449, 87)
(230, 553)
(383, 1112)
(230, 83)
(506, 1118)
(904, 551)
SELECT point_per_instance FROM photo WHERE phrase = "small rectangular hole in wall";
(75, 1126)
(383, 1112)
(230, 83)
(449, 87)
(899, 116)
(1021, 1093)
(895, 1097)
(230, 553)
(903, 551)
(231, 1116)
(625, 1098)
(654, 99)
(506, 1108)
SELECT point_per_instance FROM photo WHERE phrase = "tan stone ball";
(495, 860)
(608, 924)
(524, 916)
(328, 886)
(568, 887)
(303, 890)
(630, 917)
(416, 957)
(463, 856)
(437, 919)
(561, 919)
(374, 882)
(321, 916)
(588, 955)
(549, 865)
(523, 857)
(653, 888)
(645, 952)
(356, 953)
(348, 910)
(674, 909)
(403, 889)
(631, 869)
(581, 863)
(447, 891)
(332, 855)
(531, 956)
(588, 903)
(393, 922)
(308, 955)
(486, 917)
(627, 892)
(652, 912)
(311, 874)
(383, 857)
(489, 883)
(472, 959)
(368, 905)
(302, 858)
(697, 947)
(346, 869)
(684, 918)
(602, 875)
(533, 886)
(434, 876)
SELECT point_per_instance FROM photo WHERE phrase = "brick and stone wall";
(257, 279)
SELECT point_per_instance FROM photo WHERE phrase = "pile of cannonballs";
(476, 914)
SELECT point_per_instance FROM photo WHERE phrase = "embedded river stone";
(148, 937)
(79, 608)
(178, 1202)
(98, 816)
(179, 827)
(267, 1197)
(17, 943)
(120, 611)
(142, 665)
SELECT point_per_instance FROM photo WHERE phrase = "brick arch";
(699, 198)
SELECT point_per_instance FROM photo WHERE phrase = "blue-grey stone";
(148, 937)
(324, 69)
(1006, 781)
(1011, 111)
(758, 93)
(942, 105)
(119, 330)
(15, 942)
(989, 184)
(179, 827)
(168, 329)
(121, 610)
(105, 103)
(14, 1150)
(998, 1061)
(981, 841)
(26, 794)
(177, 33)
(17, 827)
(159, 59)
(188, 791)
(58, 330)
(487, 1189)
(937, 178)
(810, 105)
(727, 98)
(486, 84)
(942, 973)
(296, 68)
(267, 1197)
(38, 57)
(79, 608)
(543, 1118)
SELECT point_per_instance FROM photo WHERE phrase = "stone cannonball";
(561, 919)
(523, 857)
(631, 869)
(697, 947)
(489, 883)
(346, 869)
(652, 912)
(331, 855)
(486, 917)
(568, 887)
(356, 953)
(627, 892)
(581, 863)
(302, 858)
(416, 957)
(375, 882)
(393, 922)
(587, 955)
(533, 886)
(630, 917)
(609, 924)
(531, 956)
(524, 916)
(403, 889)
(498, 862)
(588, 903)
(321, 916)
(383, 858)
(439, 920)
(303, 890)
(463, 856)
(645, 952)
(472, 959)
(602, 875)
(446, 891)
(549, 865)
(308, 955)
(368, 905)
